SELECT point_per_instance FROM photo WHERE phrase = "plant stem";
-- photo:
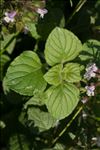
(77, 8)
(61, 133)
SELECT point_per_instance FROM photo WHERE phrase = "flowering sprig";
(90, 90)
(91, 70)
(9, 16)
(42, 12)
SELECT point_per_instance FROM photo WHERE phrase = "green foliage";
(18, 142)
(62, 99)
(54, 75)
(72, 72)
(37, 99)
(58, 146)
(8, 43)
(45, 102)
(61, 46)
(42, 120)
(24, 75)
(4, 60)
(57, 74)
(32, 28)
(2, 124)
(90, 50)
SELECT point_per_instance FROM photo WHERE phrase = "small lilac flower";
(42, 12)
(9, 17)
(90, 71)
(90, 90)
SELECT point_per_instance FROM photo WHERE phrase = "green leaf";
(4, 59)
(2, 124)
(32, 29)
(57, 74)
(72, 72)
(37, 99)
(42, 120)
(72, 136)
(90, 50)
(18, 142)
(54, 75)
(24, 74)
(23, 118)
(58, 146)
(62, 100)
(97, 5)
(61, 46)
(4, 43)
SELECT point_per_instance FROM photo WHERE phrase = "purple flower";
(42, 12)
(9, 17)
(90, 90)
(90, 71)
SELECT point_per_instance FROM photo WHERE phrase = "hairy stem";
(61, 133)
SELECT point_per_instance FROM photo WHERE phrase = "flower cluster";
(90, 71)
(90, 90)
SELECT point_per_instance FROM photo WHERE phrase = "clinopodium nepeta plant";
(59, 83)
(50, 79)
